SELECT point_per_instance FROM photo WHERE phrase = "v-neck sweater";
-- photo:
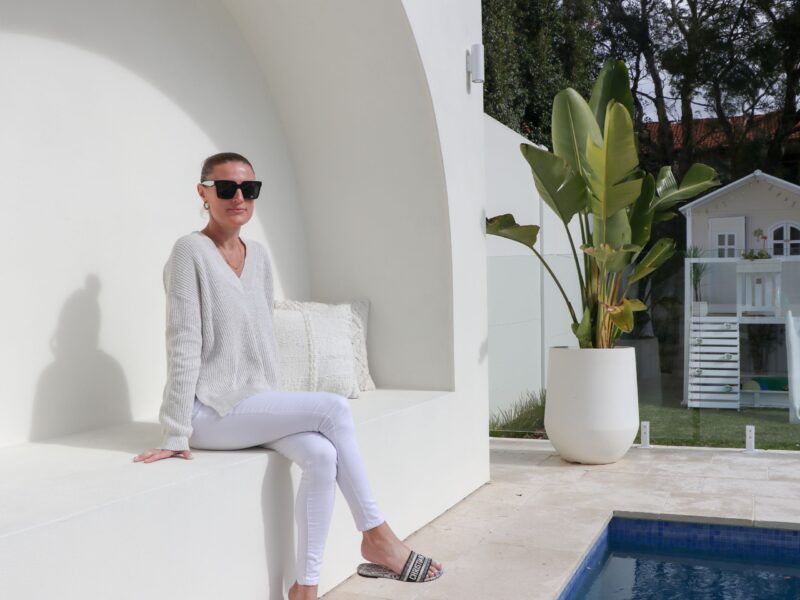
(220, 339)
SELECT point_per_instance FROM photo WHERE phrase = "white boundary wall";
(527, 314)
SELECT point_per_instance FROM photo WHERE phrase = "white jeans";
(314, 430)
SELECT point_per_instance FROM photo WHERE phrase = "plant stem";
(577, 264)
(561, 289)
(602, 292)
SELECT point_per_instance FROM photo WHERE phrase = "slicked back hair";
(218, 159)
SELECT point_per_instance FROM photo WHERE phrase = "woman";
(223, 390)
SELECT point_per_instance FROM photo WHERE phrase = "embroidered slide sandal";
(415, 569)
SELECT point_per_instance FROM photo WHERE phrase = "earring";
(205, 205)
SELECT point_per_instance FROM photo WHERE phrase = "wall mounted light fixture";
(475, 63)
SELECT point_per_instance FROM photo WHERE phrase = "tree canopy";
(713, 80)
(534, 48)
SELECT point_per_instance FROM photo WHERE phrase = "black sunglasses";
(226, 188)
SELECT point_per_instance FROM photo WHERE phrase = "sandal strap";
(416, 567)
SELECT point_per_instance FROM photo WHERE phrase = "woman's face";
(233, 213)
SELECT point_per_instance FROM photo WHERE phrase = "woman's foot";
(381, 546)
(302, 592)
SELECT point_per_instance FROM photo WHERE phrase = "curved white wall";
(444, 30)
(349, 85)
(356, 115)
(106, 116)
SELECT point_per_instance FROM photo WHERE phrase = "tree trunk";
(787, 123)
(686, 157)
(666, 142)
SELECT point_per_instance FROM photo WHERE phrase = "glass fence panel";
(711, 348)
(515, 345)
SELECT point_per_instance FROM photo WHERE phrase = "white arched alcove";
(351, 91)
(360, 118)
(108, 111)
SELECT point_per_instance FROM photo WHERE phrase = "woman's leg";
(316, 456)
(269, 416)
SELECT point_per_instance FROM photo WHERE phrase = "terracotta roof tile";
(708, 133)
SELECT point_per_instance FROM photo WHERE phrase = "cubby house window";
(726, 245)
(785, 239)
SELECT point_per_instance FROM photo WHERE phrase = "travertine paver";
(521, 535)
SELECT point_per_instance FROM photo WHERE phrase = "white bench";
(80, 520)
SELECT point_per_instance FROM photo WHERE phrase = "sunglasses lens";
(250, 189)
(225, 189)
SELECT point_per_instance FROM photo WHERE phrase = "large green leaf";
(614, 177)
(665, 182)
(572, 124)
(560, 187)
(613, 83)
(641, 220)
(636, 305)
(615, 230)
(505, 226)
(612, 260)
(698, 179)
(663, 216)
(657, 256)
(622, 316)
(618, 139)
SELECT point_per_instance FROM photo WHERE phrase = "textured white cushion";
(360, 318)
(315, 347)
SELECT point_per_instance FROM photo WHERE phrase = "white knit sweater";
(220, 340)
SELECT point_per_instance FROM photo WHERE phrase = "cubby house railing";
(722, 295)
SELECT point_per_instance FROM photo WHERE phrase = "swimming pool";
(643, 559)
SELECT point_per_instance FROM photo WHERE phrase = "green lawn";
(678, 426)
(672, 425)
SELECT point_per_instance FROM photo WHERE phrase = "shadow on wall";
(83, 388)
(167, 45)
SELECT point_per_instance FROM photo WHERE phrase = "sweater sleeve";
(270, 293)
(184, 345)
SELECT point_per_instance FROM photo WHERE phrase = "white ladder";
(714, 362)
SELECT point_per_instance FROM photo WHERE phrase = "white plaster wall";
(375, 187)
(107, 112)
(355, 202)
(349, 84)
(444, 30)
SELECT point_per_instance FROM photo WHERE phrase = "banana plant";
(593, 175)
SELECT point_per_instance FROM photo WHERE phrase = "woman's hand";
(157, 454)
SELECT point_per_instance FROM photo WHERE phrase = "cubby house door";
(726, 236)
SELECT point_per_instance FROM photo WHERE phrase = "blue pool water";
(640, 559)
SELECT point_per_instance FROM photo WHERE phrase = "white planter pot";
(700, 309)
(592, 409)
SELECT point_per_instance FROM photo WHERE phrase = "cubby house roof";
(755, 176)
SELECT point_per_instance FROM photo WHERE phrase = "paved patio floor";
(521, 535)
